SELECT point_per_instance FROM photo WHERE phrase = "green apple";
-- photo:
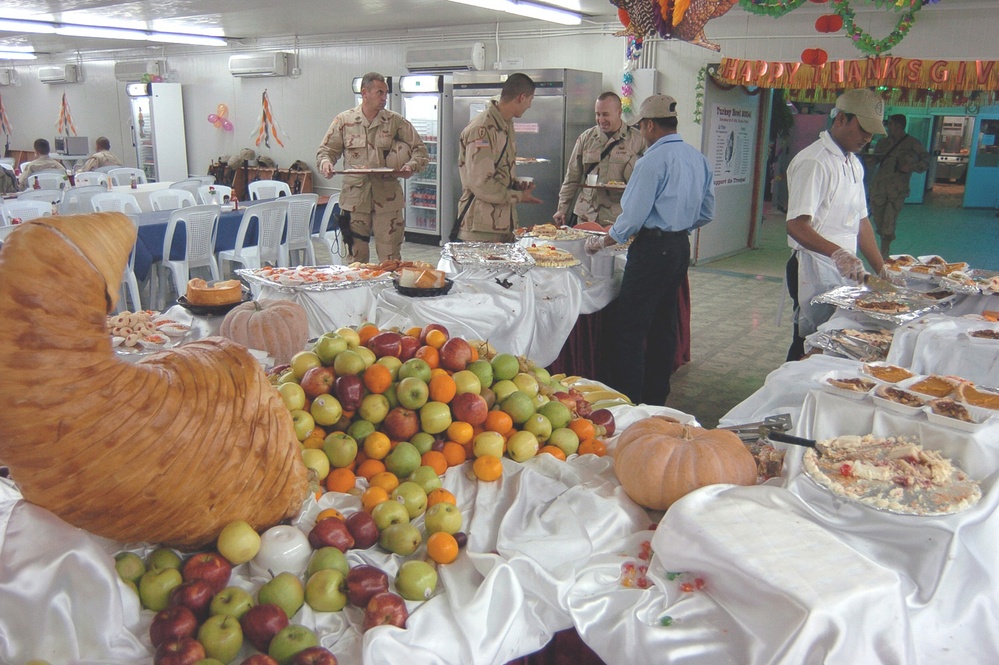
(412, 497)
(543, 376)
(401, 539)
(403, 460)
(540, 400)
(340, 448)
(539, 426)
(163, 557)
(326, 410)
(221, 636)
(505, 366)
(292, 395)
(367, 355)
(129, 566)
(328, 347)
(303, 422)
(412, 392)
(435, 417)
(416, 580)
(503, 389)
(349, 334)
(291, 640)
(482, 369)
(285, 590)
(360, 429)
(328, 558)
(287, 377)
(566, 439)
(388, 513)
(238, 542)
(374, 408)
(326, 590)
(557, 413)
(303, 361)
(393, 364)
(488, 443)
(442, 517)
(518, 406)
(526, 383)
(231, 601)
(467, 381)
(317, 460)
(423, 441)
(522, 446)
(349, 362)
(415, 367)
(427, 478)
(155, 586)
(390, 395)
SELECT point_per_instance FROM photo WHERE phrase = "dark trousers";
(797, 348)
(647, 309)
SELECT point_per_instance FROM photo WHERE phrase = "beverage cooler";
(430, 199)
(561, 111)
(391, 103)
(158, 130)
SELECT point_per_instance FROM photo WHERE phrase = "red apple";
(278, 370)
(401, 424)
(195, 595)
(261, 623)
(364, 582)
(409, 345)
(318, 381)
(470, 408)
(567, 399)
(350, 391)
(431, 326)
(259, 659)
(314, 656)
(385, 608)
(172, 623)
(331, 533)
(183, 651)
(211, 567)
(455, 354)
(388, 343)
(363, 528)
(606, 418)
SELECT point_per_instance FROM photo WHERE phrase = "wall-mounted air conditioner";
(133, 71)
(60, 74)
(446, 58)
(259, 64)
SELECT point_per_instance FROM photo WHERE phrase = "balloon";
(217, 122)
(156, 79)
(222, 110)
(213, 119)
(226, 125)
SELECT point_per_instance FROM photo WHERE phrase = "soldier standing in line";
(372, 137)
(609, 150)
(488, 153)
(103, 156)
(898, 156)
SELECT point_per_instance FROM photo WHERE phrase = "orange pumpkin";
(279, 327)
(659, 460)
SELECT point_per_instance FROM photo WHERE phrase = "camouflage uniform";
(600, 205)
(100, 159)
(492, 215)
(890, 185)
(374, 201)
(44, 163)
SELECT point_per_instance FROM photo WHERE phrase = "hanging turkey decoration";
(65, 123)
(671, 19)
(266, 128)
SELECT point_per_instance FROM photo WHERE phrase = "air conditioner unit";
(459, 57)
(134, 71)
(259, 64)
(60, 74)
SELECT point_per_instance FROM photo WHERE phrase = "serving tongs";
(850, 347)
(771, 428)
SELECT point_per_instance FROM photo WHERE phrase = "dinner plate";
(211, 310)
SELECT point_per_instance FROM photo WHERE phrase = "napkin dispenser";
(71, 145)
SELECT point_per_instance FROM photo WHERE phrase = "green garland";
(699, 95)
(771, 8)
(863, 40)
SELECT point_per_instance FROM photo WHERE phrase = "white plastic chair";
(329, 233)
(115, 202)
(48, 180)
(267, 189)
(122, 175)
(49, 195)
(201, 226)
(6, 231)
(88, 178)
(223, 194)
(171, 199)
(77, 200)
(270, 218)
(301, 211)
(205, 179)
(25, 209)
(188, 184)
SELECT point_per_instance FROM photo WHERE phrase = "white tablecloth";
(940, 344)
(141, 192)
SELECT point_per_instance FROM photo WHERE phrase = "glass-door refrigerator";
(158, 130)
(426, 102)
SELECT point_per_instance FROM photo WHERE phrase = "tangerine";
(429, 355)
(487, 467)
(415, 332)
(442, 387)
(592, 447)
(442, 547)
(436, 460)
(369, 468)
(329, 512)
(583, 428)
(455, 452)
(318, 431)
(475, 353)
(387, 480)
(441, 495)
(341, 480)
(366, 332)
(313, 442)
(377, 378)
(372, 497)
(554, 451)
(377, 445)
(438, 371)
(460, 432)
(498, 421)
(436, 338)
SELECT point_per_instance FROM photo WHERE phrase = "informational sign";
(731, 146)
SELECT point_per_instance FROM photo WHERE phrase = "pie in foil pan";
(314, 278)
(495, 255)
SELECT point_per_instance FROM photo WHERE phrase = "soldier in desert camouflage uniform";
(488, 153)
(41, 162)
(898, 156)
(600, 205)
(367, 137)
(103, 156)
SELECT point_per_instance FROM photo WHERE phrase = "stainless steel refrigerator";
(561, 111)
(158, 130)
(426, 102)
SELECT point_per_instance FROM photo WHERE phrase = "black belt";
(646, 232)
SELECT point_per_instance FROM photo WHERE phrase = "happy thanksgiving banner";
(944, 75)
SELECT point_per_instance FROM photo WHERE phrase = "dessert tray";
(546, 256)
(551, 232)
(505, 256)
(315, 278)
(899, 306)
(864, 345)
(145, 331)
(972, 282)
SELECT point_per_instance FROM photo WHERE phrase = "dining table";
(141, 192)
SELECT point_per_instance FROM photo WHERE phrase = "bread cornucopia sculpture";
(165, 450)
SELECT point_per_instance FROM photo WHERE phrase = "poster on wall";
(731, 144)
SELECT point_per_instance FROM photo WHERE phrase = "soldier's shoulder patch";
(482, 132)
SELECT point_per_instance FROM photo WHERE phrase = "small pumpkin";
(659, 460)
(279, 327)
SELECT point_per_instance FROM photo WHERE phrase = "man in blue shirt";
(670, 193)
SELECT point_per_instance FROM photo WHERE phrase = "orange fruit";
(372, 497)
(377, 378)
(436, 339)
(442, 547)
(429, 355)
(455, 452)
(415, 332)
(366, 332)
(329, 512)
(377, 445)
(436, 460)
(554, 451)
(387, 480)
(313, 442)
(369, 467)
(460, 432)
(498, 421)
(341, 480)
(475, 354)
(318, 431)
(441, 495)
(583, 428)
(487, 467)
(592, 447)
(438, 371)
(442, 387)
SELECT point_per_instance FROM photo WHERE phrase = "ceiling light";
(109, 32)
(14, 25)
(13, 53)
(528, 9)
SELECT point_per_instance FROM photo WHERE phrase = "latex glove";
(890, 276)
(848, 264)
(594, 244)
(559, 217)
